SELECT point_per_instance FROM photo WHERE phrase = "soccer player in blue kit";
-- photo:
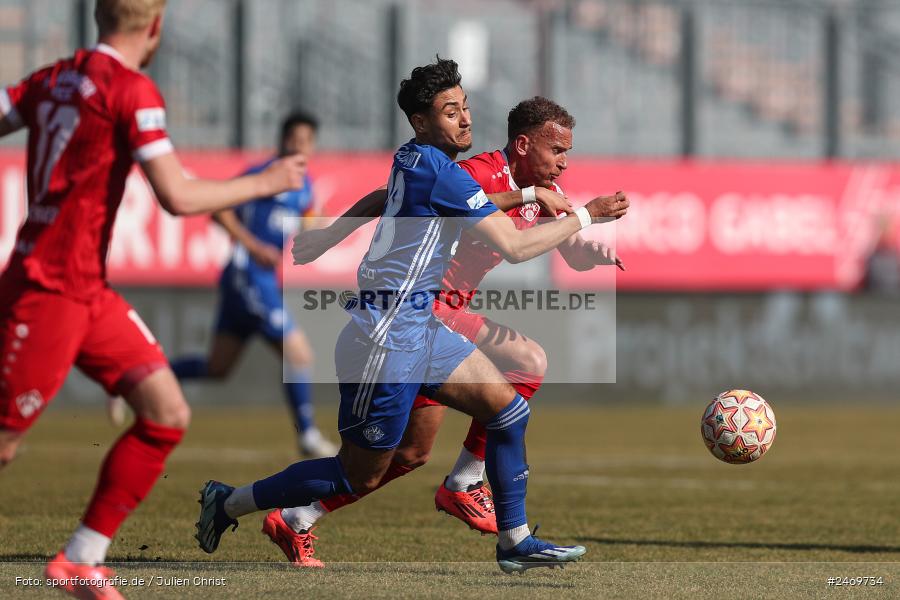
(250, 296)
(393, 345)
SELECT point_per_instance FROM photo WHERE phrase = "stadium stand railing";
(229, 69)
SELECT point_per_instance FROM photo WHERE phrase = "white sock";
(240, 502)
(511, 537)
(302, 518)
(311, 436)
(87, 546)
(468, 470)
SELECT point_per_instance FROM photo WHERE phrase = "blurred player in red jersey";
(518, 179)
(90, 118)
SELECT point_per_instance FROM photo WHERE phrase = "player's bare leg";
(291, 528)
(478, 388)
(472, 503)
(297, 356)
(9, 444)
(509, 350)
(224, 353)
(130, 469)
(159, 398)
(418, 439)
(133, 464)
(523, 362)
(353, 470)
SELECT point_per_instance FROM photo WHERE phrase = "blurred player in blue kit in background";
(250, 299)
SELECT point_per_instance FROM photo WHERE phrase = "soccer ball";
(738, 426)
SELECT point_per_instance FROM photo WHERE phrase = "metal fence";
(738, 78)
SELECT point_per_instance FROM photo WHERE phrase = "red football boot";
(474, 507)
(81, 581)
(297, 547)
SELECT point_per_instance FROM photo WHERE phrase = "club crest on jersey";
(530, 211)
(67, 83)
(373, 433)
(29, 403)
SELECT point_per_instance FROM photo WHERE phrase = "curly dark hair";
(417, 93)
(534, 112)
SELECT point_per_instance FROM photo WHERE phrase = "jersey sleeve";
(142, 118)
(9, 100)
(14, 100)
(456, 194)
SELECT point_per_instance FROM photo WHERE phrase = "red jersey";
(89, 118)
(473, 259)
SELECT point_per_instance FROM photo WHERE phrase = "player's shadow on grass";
(861, 549)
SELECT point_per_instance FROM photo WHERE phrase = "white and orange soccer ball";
(738, 426)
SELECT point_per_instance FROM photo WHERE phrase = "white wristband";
(529, 196)
(583, 216)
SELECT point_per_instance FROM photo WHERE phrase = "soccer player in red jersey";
(90, 117)
(518, 179)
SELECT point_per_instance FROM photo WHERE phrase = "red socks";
(526, 384)
(128, 473)
(394, 471)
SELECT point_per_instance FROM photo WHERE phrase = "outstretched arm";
(310, 245)
(181, 195)
(9, 125)
(265, 255)
(583, 255)
(551, 202)
(500, 232)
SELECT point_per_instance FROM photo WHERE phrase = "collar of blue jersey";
(414, 142)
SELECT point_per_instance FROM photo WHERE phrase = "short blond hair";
(126, 15)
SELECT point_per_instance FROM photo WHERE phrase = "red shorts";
(42, 334)
(463, 322)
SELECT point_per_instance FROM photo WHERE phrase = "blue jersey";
(270, 220)
(431, 200)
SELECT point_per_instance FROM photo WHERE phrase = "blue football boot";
(533, 552)
(213, 520)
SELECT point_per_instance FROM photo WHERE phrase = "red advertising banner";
(691, 226)
(741, 226)
(151, 247)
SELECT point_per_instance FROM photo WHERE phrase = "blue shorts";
(249, 304)
(378, 386)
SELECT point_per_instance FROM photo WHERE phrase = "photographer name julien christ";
(119, 581)
(550, 300)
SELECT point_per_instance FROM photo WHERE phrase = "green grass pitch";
(660, 516)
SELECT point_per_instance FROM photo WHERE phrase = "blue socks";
(302, 483)
(505, 463)
(300, 399)
(190, 367)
